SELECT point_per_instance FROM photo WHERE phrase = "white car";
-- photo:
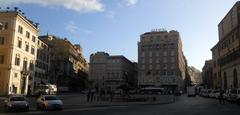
(16, 103)
(234, 95)
(49, 102)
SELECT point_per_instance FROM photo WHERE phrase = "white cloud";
(76, 5)
(72, 28)
(111, 14)
(131, 2)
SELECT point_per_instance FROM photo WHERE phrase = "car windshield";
(17, 99)
(51, 98)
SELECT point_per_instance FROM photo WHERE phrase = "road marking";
(94, 108)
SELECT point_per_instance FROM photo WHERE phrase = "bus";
(48, 89)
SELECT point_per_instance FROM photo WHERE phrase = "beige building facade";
(110, 72)
(67, 62)
(226, 53)
(195, 75)
(207, 74)
(18, 46)
(161, 61)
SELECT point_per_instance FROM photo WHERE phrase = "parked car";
(177, 92)
(234, 95)
(203, 92)
(226, 95)
(214, 94)
(49, 102)
(191, 91)
(16, 103)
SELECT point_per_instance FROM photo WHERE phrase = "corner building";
(161, 61)
(18, 36)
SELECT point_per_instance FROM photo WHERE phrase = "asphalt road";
(183, 106)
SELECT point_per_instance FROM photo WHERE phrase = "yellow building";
(18, 37)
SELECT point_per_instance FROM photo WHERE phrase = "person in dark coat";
(88, 96)
(92, 94)
(221, 99)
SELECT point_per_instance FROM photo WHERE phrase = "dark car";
(16, 103)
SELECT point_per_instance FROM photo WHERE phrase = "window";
(150, 60)
(165, 60)
(172, 60)
(27, 47)
(165, 53)
(1, 40)
(158, 67)
(157, 54)
(150, 54)
(143, 60)
(15, 75)
(143, 67)
(33, 38)
(20, 29)
(32, 50)
(157, 60)
(19, 43)
(25, 64)
(3, 25)
(31, 65)
(1, 59)
(150, 67)
(17, 60)
(143, 54)
(172, 66)
(164, 66)
(27, 34)
(172, 53)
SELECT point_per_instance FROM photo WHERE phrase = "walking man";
(221, 99)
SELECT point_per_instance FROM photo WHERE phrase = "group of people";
(101, 95)
(90, 95)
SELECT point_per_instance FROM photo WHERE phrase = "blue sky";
(114, 26)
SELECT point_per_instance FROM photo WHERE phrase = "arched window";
(235, 79)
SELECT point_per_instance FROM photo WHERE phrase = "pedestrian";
(88, 96)
(220, 98)
(111, 95)
(92, 95)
